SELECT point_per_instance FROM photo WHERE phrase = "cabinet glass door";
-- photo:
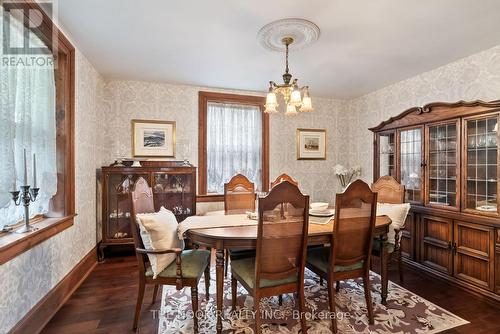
(118, 205)
(387, 154)
(482, 164)
(410, 146)
(175, 192)
(442, 165)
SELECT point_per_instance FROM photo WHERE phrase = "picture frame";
(153, 138)
(311, 144)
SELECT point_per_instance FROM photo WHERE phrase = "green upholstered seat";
(319, 258)
(194, 262)
(376, 246)
(245, 269)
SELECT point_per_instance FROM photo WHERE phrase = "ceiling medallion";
(283, 35)
(303, 32)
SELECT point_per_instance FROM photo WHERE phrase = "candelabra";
(25, 197)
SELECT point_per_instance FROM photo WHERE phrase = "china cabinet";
(446, 156)
(173, 185)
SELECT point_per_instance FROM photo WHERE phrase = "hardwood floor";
(105, 302)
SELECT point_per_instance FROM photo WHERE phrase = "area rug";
(405, 311)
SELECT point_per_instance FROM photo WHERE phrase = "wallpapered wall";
(476, 77)
(30, 276)
(126, 100)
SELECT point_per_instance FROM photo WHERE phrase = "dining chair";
(352, 239)
(239, 197)
(281, 178)
(284, 177)
(186, 270)
(390, 191)
(278, 266)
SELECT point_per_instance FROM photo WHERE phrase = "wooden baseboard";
(38, 317)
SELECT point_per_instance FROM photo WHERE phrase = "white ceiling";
(364, 44)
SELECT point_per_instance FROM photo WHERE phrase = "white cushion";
(159, 231)
(397, 213)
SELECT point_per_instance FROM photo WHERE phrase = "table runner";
(197, 222)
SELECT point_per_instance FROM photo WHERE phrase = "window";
(27, 111)
(234, 138)
(36, 114)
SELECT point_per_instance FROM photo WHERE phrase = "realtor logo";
(28, 39)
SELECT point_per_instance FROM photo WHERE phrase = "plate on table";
(322, 213)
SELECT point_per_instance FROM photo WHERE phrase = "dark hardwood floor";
(106, 300)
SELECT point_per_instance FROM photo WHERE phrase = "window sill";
(13, 244)
(210, 198)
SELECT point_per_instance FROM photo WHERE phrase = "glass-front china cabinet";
(446, 156)
(173, 185)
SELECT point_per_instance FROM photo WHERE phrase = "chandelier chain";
(286, 69)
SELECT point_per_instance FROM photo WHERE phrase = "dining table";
(237, 231)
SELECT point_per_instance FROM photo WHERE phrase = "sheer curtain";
(27, 121)
(234, 144)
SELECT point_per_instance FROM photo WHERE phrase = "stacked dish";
(320, 209)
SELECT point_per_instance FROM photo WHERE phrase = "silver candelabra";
(25, 197)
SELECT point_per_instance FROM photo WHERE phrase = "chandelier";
(296, 99)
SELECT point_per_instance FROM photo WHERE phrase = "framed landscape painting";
(311, 144)
(153, 138)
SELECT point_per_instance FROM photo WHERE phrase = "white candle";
(15, 180)
(25, 170)
(34, 170)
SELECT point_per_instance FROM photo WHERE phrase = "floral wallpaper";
(127, 100)
(476, 77)
(30, 276)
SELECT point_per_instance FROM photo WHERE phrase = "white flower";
(357, 170)
(339, 170)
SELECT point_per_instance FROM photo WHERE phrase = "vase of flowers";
(346, 175)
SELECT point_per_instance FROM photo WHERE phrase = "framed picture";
(153, 138)
(311, 144)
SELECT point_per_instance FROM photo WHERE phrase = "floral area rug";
(405, 311)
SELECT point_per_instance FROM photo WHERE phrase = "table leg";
(383, 268)
(219, 265)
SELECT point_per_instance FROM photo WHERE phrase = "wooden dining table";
(245, 237)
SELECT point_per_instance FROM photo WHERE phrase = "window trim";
(203, 99)
(11, 244)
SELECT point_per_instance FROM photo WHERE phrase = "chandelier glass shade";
(296, 98)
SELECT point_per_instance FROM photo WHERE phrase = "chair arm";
(397, 238)
(178, 261)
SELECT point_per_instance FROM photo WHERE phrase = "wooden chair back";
(355, 214)
(389, 190)
(142, 202)
(239, 195)
(284, 177)
(282, 237)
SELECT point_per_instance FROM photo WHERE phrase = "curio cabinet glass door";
(386, 154)
(411, 163)
(443, 165)
(481, 160)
